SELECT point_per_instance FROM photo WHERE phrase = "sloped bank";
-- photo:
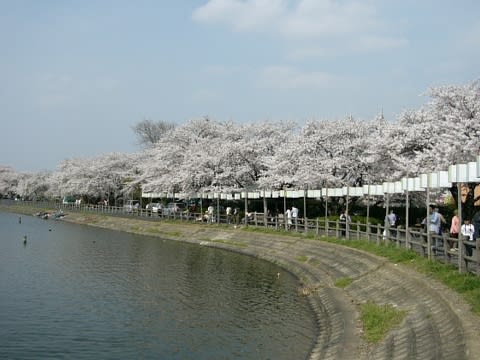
(438, 325)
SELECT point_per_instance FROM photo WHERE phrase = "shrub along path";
(438, 322)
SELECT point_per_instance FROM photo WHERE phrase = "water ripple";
(83, 293)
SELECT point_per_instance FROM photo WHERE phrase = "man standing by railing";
(392, 223)
(468, 232)
(434, 221)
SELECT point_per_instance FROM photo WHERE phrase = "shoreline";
(453, 328)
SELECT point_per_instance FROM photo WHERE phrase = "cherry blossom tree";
(181, 161)
(250, 149)
(97, 177)
(329, 153)
(208, 155)
(8, 180)
(33, 185)
(442, 132)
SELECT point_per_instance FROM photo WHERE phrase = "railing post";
(462, 266)
(475, 253)
(358, 230)
(316, 226)
(407, 238)
(379, 234)
(429, 243)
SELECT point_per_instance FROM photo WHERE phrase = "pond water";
(80, 292)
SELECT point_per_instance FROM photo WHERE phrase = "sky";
(76, 75)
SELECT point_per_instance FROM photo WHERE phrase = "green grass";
(466, 284)
(378, 320)
(266, 230)
(343, 282)
(302, 258)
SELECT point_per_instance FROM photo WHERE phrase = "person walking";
(288, 216)
(441, 221)
(434, 221)
(345, 220)
(295, 215)
(210, 211)
(454, 230)
(228, 212)
(236, 216)
(392, 223)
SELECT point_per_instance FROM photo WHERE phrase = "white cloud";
(286, 77)
(343, 47)
(299, 53)
(369, 42)
(250, 15)
(202, 96)
(223, 70)
(56, 90)
(320, 18)
(319, 24)
(470, 39)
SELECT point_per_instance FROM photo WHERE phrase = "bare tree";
(149, 132)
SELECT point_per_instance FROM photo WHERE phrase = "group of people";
(232, 215)
(433, 224)
(468, 230)
(291, 216)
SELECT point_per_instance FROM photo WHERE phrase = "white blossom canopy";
(205, 155)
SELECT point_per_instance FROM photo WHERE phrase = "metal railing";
(458, 252)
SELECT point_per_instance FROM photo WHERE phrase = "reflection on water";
(81, 293)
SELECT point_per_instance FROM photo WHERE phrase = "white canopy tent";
(457, 173)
